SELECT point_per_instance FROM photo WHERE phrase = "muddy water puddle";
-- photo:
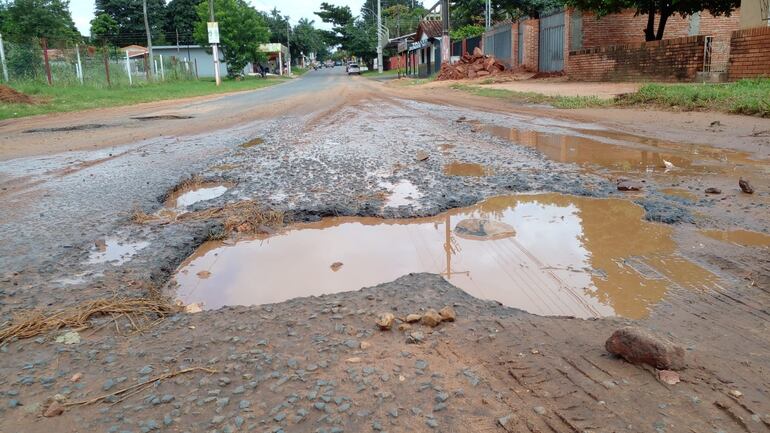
(187, 196)
(547, 254)
(114, 251)
(457, 168)
(745, 238)
(625, 152)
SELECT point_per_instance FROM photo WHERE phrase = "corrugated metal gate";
(497, 42)
(551, 44)
(472, 43)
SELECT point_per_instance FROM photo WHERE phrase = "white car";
(354, 69)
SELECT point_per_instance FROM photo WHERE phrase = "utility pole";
(379, 37)
(288, 46)
(149, 35)
(2, 59)
(488, 15)
(446, 44)
(214, 41)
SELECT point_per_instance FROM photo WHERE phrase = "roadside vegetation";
(535, 98)
(374, 73)
(748, 97)
(48, 99)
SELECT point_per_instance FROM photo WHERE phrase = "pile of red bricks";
(471, 66)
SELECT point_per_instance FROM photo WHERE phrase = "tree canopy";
(181, 16)
(103, 27)
(25, 19)
(129, 16)
(241, 30)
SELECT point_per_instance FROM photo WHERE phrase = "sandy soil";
(329, 146)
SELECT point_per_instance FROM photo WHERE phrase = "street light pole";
(288, 45)
(379, 37)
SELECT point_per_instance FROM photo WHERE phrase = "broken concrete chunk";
(431, 318)
(668, 377)
(385, 321)
(55, 409)
(640, 346)
(447, 314)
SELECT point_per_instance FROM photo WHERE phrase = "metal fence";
(67, 64)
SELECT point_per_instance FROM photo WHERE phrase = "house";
(755, 13)
(277, 54)
(424, 52)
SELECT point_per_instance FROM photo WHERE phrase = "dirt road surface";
(288, 219)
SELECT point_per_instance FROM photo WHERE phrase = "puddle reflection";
(744, 238)
(561, 255)
(114, 251)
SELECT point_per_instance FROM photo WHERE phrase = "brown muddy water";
(638, 154)
(745, 238)
(457, 168)
(560, 255)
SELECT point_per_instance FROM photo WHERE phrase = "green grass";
(535, 98)
(375, 73)
(751, 97)
(73, 98)
(298, 72)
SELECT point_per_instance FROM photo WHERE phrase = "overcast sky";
(83, 10)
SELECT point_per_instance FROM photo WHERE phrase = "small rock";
(421, 156)
(540, 410)
(385, 321)
(629, 185)
(713, 190)
(336, 266)
(55, 409)
(745, 186)
(431, 318)
(668, 377)
(76, 377)
(640, 346)
(71, 337)
(447, 314)
(403, 327)
(353, 360)
(412, 318)
(365, 345)
(735, 393)
(415, 337)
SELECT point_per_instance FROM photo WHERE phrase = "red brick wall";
(515, 45)
(667, 60)
(750, 53)
(531, 44)
(625, 28)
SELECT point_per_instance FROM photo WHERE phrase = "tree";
(342, 21)
(278, 25)
(241, 30)
(663, 9)
(181, 17)
(130, 18)
(25, 19)
(305, 39)
(467, 31)
(471, 12)
(103, 27)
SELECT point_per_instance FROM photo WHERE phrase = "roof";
(134, 50)
(430, 28)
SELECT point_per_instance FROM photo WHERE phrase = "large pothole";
(560, 255)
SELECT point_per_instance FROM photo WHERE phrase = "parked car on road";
(354, 69)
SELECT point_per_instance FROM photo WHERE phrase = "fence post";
(107, 66)
(80, 65)
(2, 59)
(128, 70)
(45, 59)
(146, 68)
(196, 68)
(162, 70)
